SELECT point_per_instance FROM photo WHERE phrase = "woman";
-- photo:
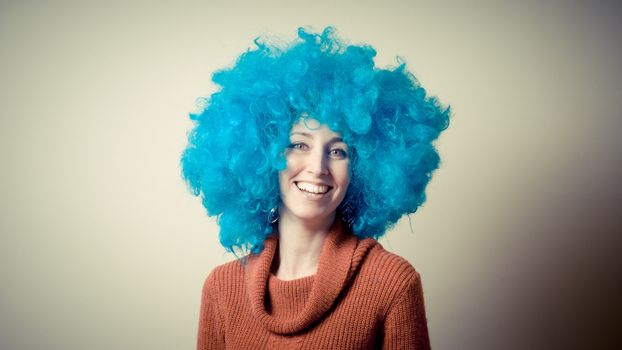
(307, 154)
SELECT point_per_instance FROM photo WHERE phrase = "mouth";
(312, 191)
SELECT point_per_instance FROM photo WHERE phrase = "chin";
(311, 214)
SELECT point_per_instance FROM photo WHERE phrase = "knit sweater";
(361, 297)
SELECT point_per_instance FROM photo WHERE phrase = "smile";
(311, 190)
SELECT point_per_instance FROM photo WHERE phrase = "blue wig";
(237, 145)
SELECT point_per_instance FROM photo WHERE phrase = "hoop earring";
(273, 215)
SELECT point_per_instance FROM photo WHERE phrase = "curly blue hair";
(237, 145)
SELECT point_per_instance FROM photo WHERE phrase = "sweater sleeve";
(211, 326)
(405, 326)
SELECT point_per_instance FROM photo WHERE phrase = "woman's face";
(317, 175)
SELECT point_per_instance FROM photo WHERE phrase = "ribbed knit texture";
(361, 297)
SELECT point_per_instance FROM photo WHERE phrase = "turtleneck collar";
(342, 254)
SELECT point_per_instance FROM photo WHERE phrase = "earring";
(347, 214)
(273, 215)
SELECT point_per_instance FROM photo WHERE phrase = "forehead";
(312, 127)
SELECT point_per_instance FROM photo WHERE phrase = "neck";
(300, 245)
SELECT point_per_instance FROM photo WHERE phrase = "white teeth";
(305, 186)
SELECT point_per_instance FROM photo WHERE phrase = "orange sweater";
(361, 297)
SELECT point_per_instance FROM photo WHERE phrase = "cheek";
(295, 163)
(290, 169)
(283, 178)
(341, 174)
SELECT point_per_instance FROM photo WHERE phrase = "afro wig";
(237, 144)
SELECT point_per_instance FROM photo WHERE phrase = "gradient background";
(102, 247)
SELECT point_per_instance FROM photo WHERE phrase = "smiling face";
(317, 175)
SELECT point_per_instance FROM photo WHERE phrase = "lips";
(311, 190)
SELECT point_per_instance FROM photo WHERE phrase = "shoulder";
(390, 264)
(392, 273)
(224, 276)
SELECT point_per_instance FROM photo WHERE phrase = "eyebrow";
(334, 139)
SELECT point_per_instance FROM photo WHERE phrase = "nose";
(317, 163)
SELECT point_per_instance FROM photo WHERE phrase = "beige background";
(102, 247)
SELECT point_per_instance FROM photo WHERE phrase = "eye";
(338, 153)
(298, 146)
